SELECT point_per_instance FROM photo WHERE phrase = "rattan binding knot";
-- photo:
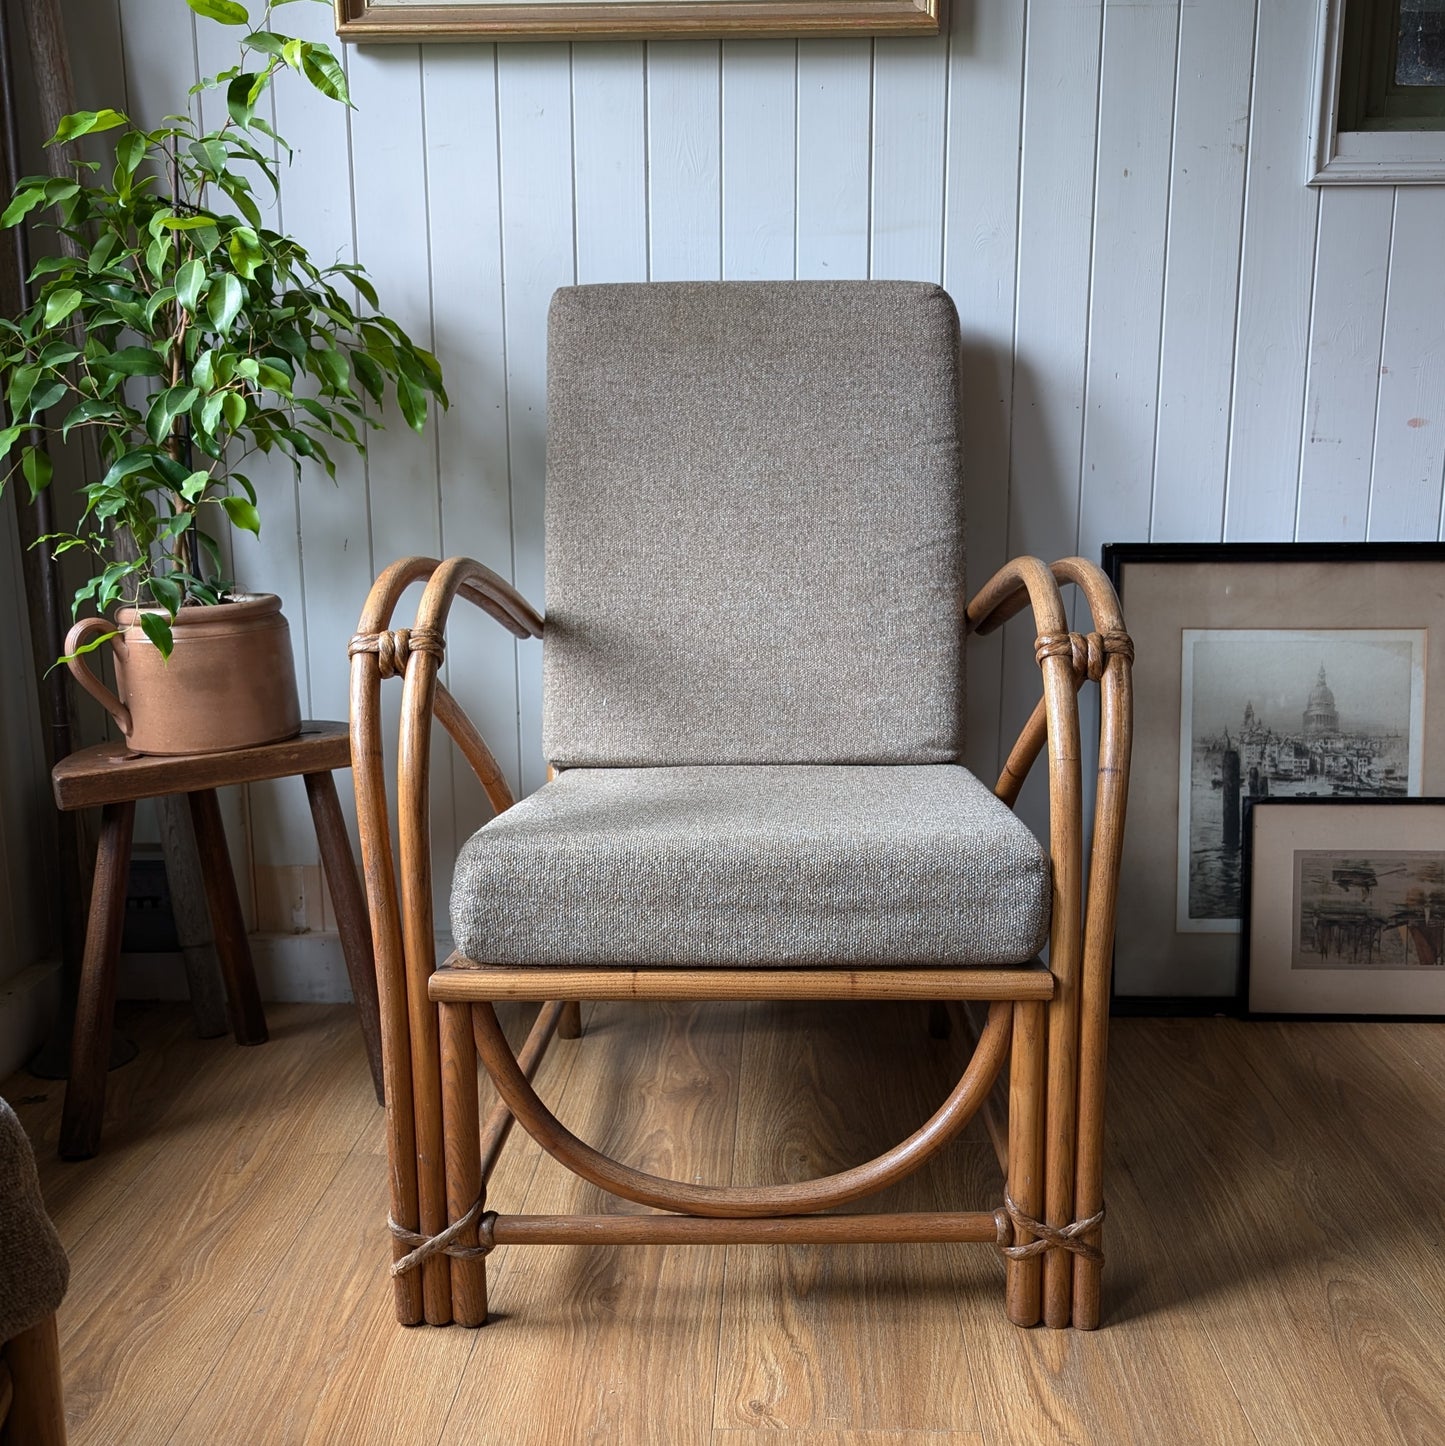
(1088, 653)
(393, 649)
(1050, 1237)
(441, 1244)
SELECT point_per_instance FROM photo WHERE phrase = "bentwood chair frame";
(1050, 1022)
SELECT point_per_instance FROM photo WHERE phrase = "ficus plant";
(187, 335)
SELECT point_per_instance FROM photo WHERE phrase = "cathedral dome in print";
(1320, 717)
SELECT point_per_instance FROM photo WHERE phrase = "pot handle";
(82, 674)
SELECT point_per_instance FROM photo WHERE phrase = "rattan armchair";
(753, 683)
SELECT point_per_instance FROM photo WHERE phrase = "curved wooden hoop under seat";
(803, 1198)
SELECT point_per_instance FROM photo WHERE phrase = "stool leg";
(95, 1008)
(569, 1026)
(243, 998)
(352, 923)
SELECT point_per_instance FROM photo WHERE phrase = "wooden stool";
(110, 776)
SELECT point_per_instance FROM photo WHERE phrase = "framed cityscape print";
(1344, 908)
(1262, 670)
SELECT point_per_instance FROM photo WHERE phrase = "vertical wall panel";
(535, 128)
(609, 144)
(684, 160)
(1410, 427)
(910, 78)
(759, 158)
(476, 510)
(980, 227)
(1061, 84)
(1276, 281)
(1201, 271)
(390, 199)
(1351, 267)
(835, 104)
(1131, 205)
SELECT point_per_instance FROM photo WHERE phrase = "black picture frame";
(1332, 828)
(1288, 589)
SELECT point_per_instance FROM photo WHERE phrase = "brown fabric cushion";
(754, 524)
(34, 1270)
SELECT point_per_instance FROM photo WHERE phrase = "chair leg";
(570, 1024)
(37, 1405)
(84, 1109)
(461, 1129)
(1026, 1154)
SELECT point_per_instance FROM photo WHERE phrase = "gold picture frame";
(369, 21)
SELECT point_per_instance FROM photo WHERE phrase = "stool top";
(111, 773)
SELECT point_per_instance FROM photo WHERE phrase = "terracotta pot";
(230, 681)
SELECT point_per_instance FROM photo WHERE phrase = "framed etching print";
(413, 20)
(1265, 671)
(1345, 908)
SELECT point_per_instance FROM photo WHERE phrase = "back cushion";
(754, 524)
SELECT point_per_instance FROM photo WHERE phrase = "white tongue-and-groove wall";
(1169, 336)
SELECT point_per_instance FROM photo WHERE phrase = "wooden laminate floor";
(1276, 1271)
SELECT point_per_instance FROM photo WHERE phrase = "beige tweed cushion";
(768, 865)
(754, 531)
(34, 1271)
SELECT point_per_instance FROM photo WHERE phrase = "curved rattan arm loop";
(402, 921)
(803, 1198)
(1024, 582)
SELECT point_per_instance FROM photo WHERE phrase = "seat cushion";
(754, 865)
(34, 1270)
(754, 524)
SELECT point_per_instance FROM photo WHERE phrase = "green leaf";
(21, 205)
(38, 470)
(243, 514)
(265, 41)
(167, 593)
(127, 466)
(130, 150)
(234, 408)
(211, 413)
(59, 305)
(86, 412)
(166, 407)
(46, 395)
(413, 403)
(224, 302)
(324, 71)
(8, 437)
(83, 122)
(22, 383)
(195, 485)
(156, 626)
(242, 94)
(94, 643)
(132, 361)
(370, 375)
(246, 252)
(228, 12)
(189, 281)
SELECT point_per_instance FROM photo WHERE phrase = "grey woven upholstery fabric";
(754, 537)
(763, 865)
(34, 1269)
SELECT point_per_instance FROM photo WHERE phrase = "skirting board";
(28, 1001)
(307, 968)
(299, 968)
